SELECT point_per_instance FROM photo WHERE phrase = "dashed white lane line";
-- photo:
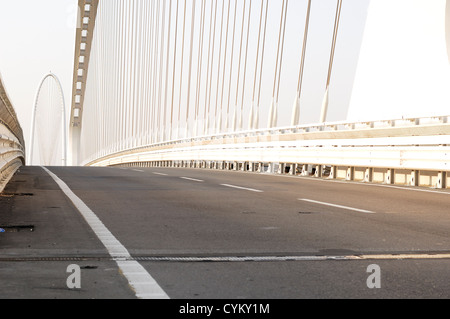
(243, 188)
(326, 180)
(337, 206)
(144, 286)
(138, 170)
(192, 179)
(162, 174)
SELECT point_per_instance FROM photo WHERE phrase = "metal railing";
(408, 151)
(12, 144)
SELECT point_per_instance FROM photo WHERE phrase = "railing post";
(390, 176)
(368, 175)
(414, 180)
(350, 173)
(441, 179)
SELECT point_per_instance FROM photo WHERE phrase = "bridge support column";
(260, 167)
(318, 172)
(332, 172)
(414, 179)
(390, 176)
(281, 167)
(294, 169)
(274, 168)
(441, 179)
(350, 173)
(304, 170)
(368, 175)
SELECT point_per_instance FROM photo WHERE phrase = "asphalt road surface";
(206, 234)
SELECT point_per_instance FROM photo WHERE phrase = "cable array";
(48, 142)
(168, 69)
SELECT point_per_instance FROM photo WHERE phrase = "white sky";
(38, 37)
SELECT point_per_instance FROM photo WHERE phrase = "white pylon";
(273, 115)
(63, 110)
(206, 128)
(323, 115)
(235, 118)
(256, 119)
(195, 130)
(296, 111)
(219, 123)
(227, 124)
(186, 133)
(251, 116)
(270, 119)
(241, 120)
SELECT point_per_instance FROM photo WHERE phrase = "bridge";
(190, 114)
(176, 104)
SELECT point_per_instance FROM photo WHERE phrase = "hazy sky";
(38, 37)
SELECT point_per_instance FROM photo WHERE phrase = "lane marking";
(244, 188)
(138, 170)
(365, 184)
(144, 286)
(338, 206)
(162, 174)
(193, 179)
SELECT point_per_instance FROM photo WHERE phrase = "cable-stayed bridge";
(191, 84)
(165, 86)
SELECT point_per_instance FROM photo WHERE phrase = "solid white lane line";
(193, 179)
(338, 206)
(162, 174)
(244, 188)
(144, 286)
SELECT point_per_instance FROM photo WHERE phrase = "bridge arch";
(50, 94)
